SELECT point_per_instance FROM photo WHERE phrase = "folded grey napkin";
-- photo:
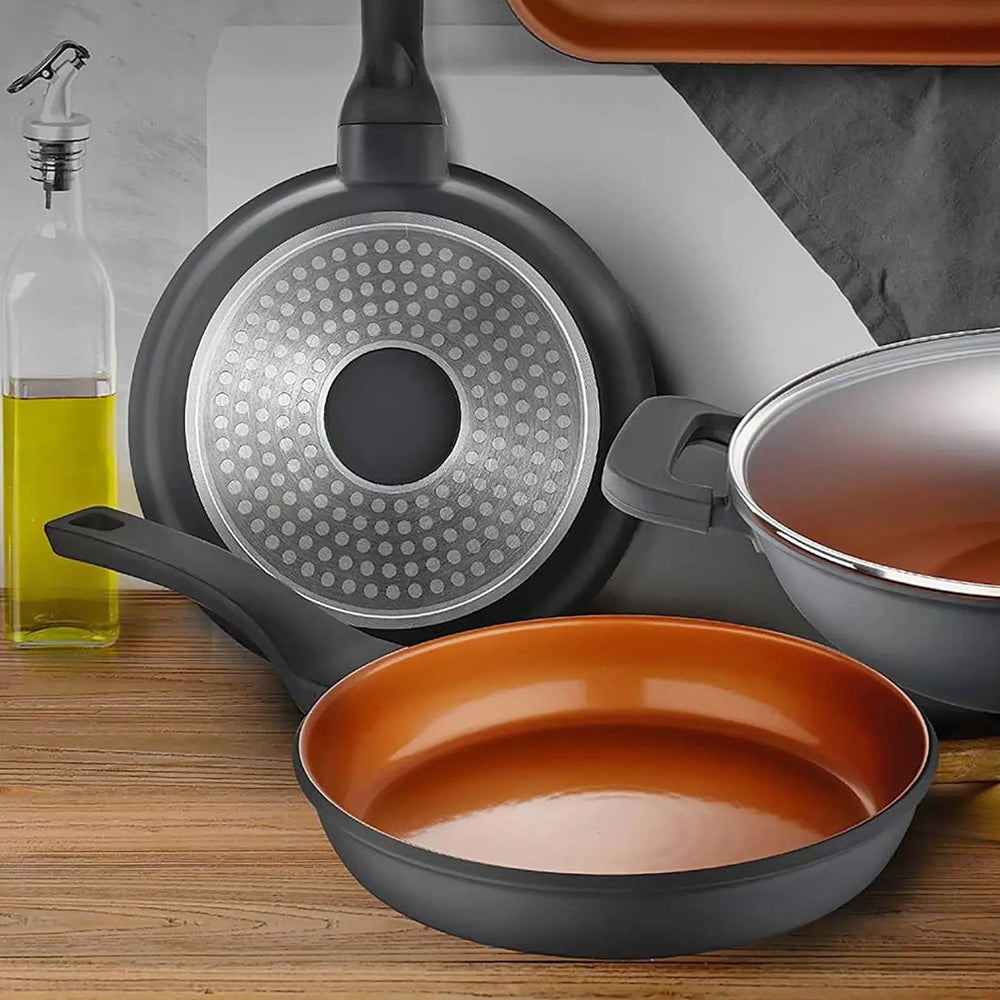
(888, 176)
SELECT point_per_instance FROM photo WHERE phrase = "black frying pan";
(603, 786)
(450, 438)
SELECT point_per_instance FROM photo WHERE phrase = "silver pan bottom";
(465, 532)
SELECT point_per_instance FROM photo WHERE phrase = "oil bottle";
(58, 383)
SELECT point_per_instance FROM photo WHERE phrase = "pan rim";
(750, 429)
(740, 871)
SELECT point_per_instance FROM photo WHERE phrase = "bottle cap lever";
(46, 69)
(55, 134)
(56, 121)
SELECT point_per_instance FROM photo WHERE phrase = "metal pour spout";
(56, 135)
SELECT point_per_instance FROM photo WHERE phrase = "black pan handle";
(291, 631)
(392, 128)
(639, 476)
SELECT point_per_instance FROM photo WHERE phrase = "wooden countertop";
(153, 842)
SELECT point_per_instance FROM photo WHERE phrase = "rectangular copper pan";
(906, 32)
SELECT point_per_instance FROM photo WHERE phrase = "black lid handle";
(639, 476)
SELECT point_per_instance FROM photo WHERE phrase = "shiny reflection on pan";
(616, 798)
(478, 714)
(733, 707)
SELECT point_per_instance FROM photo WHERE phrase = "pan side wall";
(943, 648)
(615, 922)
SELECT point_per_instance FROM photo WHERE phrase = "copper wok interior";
(900, 469)
(614, 745)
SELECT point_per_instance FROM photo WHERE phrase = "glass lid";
(887, 463)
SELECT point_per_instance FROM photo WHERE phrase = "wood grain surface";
(153, 842)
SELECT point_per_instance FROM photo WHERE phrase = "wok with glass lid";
(872, 486)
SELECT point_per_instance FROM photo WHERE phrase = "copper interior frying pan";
(599, 786)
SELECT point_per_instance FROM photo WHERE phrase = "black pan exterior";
(945, 647)
(594, 543)
(612, 916)
(303, 692)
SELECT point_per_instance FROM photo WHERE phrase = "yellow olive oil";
(58, 456)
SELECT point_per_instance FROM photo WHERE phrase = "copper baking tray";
(909, 32)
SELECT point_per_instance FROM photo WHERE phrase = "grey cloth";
(889, 177)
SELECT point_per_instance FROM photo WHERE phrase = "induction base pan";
(650, 793)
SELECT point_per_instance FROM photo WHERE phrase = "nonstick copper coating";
(614, 745)
(927, 32)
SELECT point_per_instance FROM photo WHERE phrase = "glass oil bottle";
(58, 383)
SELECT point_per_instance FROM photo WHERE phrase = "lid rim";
(754, 425)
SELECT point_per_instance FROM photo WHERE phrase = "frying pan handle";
(639, 476)
(392, 128)
(291, 631)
